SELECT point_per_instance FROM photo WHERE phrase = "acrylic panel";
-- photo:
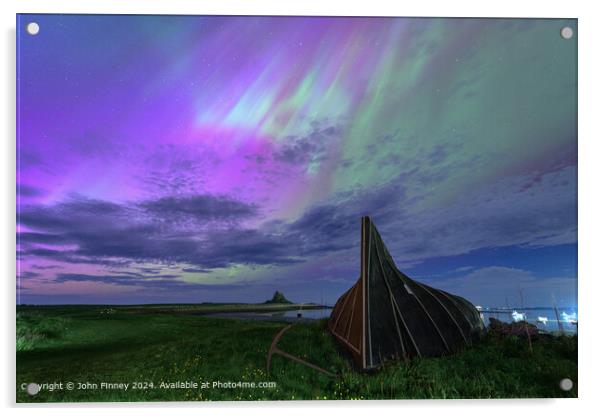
(295, 208)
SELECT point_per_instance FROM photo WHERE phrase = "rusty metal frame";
(275, 350)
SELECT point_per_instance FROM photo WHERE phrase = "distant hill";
(278, 298)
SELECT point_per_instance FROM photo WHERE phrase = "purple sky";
(191, 159)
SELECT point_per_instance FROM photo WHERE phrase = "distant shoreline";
(195, 308)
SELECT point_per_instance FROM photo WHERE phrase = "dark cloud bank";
(205, 232)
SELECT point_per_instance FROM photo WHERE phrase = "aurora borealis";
(209, 159)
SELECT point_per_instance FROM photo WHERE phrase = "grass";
(92, 344)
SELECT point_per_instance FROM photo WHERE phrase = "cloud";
(42, 238)
(28, 190)
(503, 214)
(195, 270)
(161, 282)
(69, 256)
(122, 278)
(149, 270)
(209, 233)
(45, 267)
(83, 230)
(248, 246)
(463, 269)
(202, 207)
(28, 275)
(77, 214)
(497, 215)
(311, 148)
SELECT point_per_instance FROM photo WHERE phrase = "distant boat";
(542, 320)
(517, 316)
(571, 318)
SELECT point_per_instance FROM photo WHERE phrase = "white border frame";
(590, 206)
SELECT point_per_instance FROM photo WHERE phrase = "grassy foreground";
(89, 344)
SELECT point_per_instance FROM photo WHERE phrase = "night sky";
(209, 159)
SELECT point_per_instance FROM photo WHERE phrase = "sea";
(287, 316)
(544, 318)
